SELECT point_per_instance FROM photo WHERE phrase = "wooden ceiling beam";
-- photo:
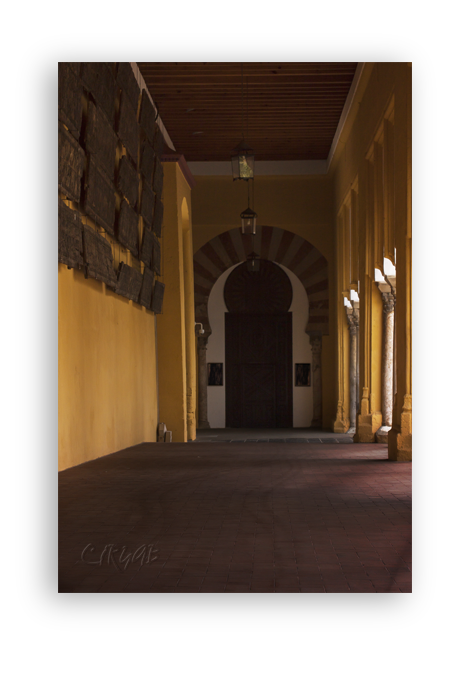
(248, 67)
(261, 81)
(293, 108)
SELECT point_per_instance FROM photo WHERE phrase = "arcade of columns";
(374, 332)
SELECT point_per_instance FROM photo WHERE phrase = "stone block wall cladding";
(110, 180)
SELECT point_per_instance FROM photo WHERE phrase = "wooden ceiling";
(293, 107)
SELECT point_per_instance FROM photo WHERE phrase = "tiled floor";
(237, 517)
(270, 436)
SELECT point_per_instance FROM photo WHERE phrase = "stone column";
(316, 345)
(358, 366)
(387, 385)
(203, 422)
(353, 323)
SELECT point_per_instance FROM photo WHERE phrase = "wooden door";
(258, 370)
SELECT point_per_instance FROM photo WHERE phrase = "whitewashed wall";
(302, 395)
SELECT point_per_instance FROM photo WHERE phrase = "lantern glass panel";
(243, 166)
(249, 224)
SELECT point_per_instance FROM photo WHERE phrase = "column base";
(341, 426)
(382, 434)
(203, 425)
(367, 426)
(399, 445)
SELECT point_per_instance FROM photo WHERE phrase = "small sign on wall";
(302, 374)
(215, 374)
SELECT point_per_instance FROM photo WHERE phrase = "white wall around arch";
(301, 351)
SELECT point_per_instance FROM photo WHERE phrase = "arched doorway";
(280, 246)
(258, 333)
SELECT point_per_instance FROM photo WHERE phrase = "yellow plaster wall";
(378, 83)
(107, 370)
(300, 204)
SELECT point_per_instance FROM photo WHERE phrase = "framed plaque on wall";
(215, 374)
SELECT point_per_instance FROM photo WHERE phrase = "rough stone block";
(129, 282)
(156, 264)
(98, 257)
(147, 206)
(145, 297)
(147, 117)
(158, 177)
(158, 141)
(128, 181)
(70, 244)
(71, 163)
(147, 161)
(147, 247)
(99, 197)
(69, 98)
(128, 83)
(101, 140)
(128, 128)
(158, 217)
(157, 299)
(74, 66)
(127, 228)
(100, 82)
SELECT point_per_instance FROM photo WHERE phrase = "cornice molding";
(170, 156)
(346, 110)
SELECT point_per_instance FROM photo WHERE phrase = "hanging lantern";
(253, 262)
(242, 161)
(248, 221)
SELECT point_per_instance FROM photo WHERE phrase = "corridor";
(237, 517)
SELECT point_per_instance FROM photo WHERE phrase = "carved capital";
(353, 320)
(203, 342)
(388, 303)
(316, 344)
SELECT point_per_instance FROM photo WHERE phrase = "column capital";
(388, 302)
(353, 320)
(316, 343)
(203, 340)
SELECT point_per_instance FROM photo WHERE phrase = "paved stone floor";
(270, 436)
(237, 517)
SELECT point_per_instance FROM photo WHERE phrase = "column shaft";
(316, 344)
(387, 368)
(353, 328)
(202, 382)
(388, 359)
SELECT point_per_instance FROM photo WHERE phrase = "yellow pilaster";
(173, 378)
(189, 323)
(341, 423)
(369, 418)
(400, 436)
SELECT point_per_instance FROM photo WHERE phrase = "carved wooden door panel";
(258, 393)
(258, 370)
